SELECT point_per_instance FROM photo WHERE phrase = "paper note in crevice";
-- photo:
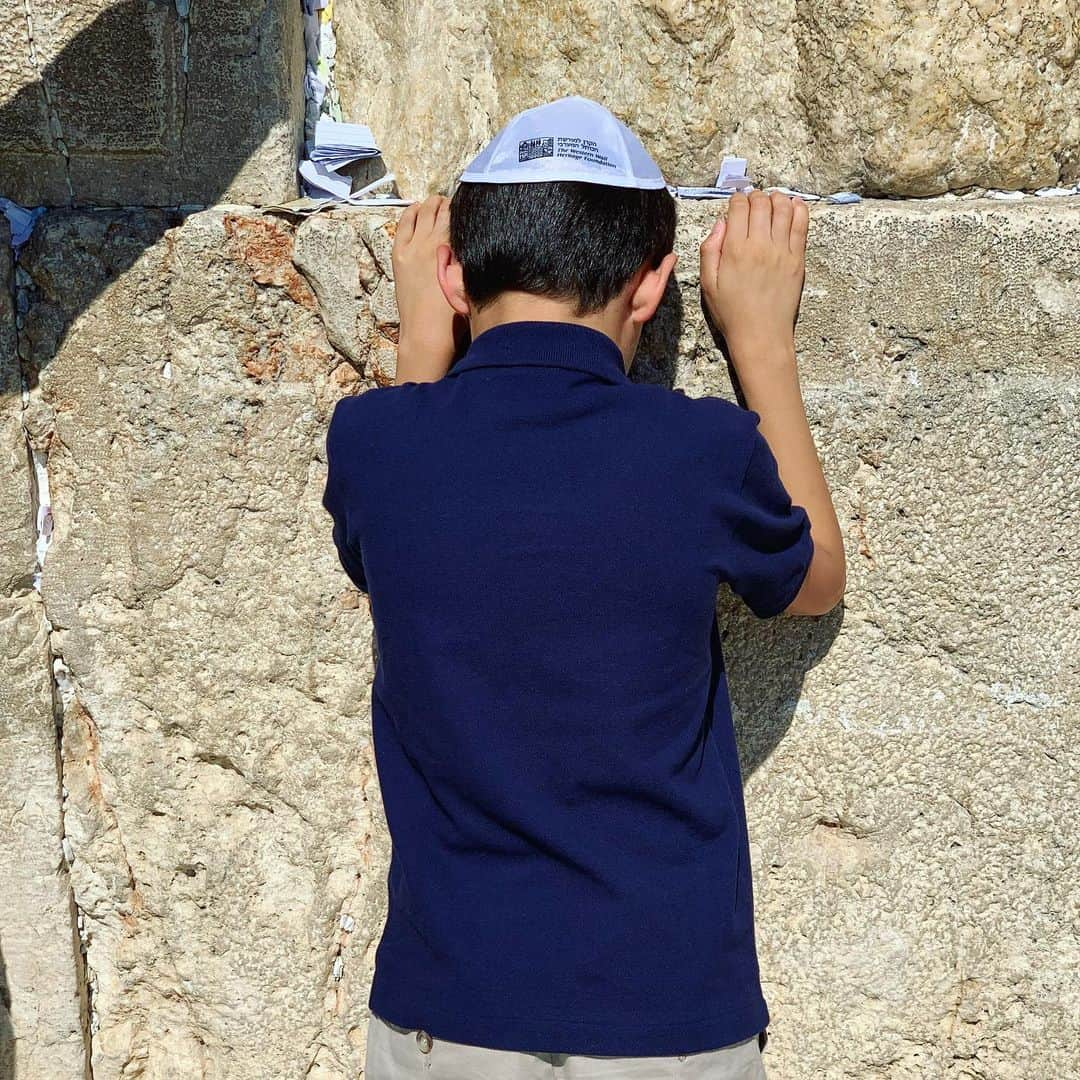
(732, 177)
(20, 219)
(334, 146)
(338, 144)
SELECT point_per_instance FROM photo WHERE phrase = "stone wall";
(891, 98)
(192, 845)
(42, 1003)
(132, 103)
(912, 802)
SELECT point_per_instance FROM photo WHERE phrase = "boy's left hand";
(430, 330)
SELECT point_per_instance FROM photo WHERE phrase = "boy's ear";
(646, 297)
(451, 279)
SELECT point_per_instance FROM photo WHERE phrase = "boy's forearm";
(769, 377)
(428, 328)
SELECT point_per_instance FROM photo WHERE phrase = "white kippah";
(573, 138)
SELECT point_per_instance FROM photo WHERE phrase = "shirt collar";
(542, 343)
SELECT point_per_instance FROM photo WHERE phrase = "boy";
(541, 540)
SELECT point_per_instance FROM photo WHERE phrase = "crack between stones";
(183, 11)
(56, 129)
(83, 972)
(345, 924)
(38, 494)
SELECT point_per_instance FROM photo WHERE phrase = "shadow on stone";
(7, 1032)
(765, 660)
(657, 359)
(180, 148)
(146, 107)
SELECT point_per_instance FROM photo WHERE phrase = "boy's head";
(562, 216)
(566, 240)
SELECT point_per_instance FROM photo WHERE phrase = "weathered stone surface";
(106, 102)
(908, 758)
(220, 795)
(911, 790)
(41, 1034)
(909, 787)
(891, 98)
(914, 806)
(346, 259)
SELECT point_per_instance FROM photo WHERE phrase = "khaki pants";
(398, 1053)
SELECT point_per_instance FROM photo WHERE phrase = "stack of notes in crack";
(334, 146)
(732, 177)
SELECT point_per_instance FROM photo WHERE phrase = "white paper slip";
(324, 185)
(732, 175)
(342, 143)
(323, 182)
(808, 195)
(698, 192)
(367, 196)
(335, 145)
(20, 219)
(315, 89)
(379, 200)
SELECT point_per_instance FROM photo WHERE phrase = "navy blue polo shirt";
(542, 540)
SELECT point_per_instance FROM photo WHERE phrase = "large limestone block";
(41, 986)
(41, 1029)
(912, 789)
(889, 98)
(132, 103)
(908, 757)
(915, 808)
(216, 745)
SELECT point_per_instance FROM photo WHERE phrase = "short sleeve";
(335, 498)
(770, 543)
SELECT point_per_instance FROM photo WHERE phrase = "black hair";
(563, 239)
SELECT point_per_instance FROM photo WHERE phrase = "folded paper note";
(732, 177)
(20, 219)
(334, 146)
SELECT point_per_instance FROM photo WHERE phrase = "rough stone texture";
(220, 794)
(909, 758)
(889, 98)
(911, 772)
(129, 104)
(41, 1035)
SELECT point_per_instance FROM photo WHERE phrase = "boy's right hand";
(753, 267)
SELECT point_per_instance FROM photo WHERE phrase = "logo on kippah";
(528, 149)
(587, 150)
